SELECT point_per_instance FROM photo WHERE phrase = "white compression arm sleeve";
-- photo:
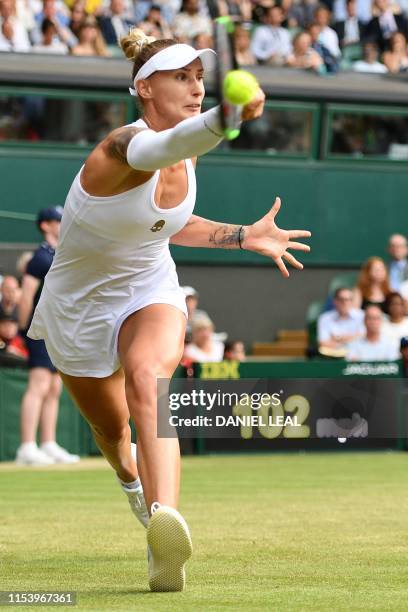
(149, 150)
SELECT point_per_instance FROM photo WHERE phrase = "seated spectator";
(337, 328)
(8, 329)
(239, 9)
(115, 24)
(242, 47)
(301, 14)
(271, 43)
(327, 37)
(90, 39)
(304, 56)
(10, 296)
(51, 43)
(234, 350)
(191, 22)
(370, 62)
(372, 285)
(350, 31)
(404, 355)
(155, 24)
(203, 41)
(203, 347)
(52, 11)
(373, 346)
(13, 34)
(331, 63)
(396, 325)
(381, 27)
(398, 268)
(396, 59)
(78, 14)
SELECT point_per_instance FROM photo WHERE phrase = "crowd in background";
(362, 35)
(369, 322)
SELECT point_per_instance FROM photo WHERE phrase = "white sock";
(135, 484)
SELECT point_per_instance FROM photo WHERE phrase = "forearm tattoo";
(226, 236)
(119, 142)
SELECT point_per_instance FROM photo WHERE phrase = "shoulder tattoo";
(118, 142)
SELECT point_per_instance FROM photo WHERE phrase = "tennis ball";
(240, 87)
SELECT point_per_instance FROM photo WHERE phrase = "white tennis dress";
(113, 259)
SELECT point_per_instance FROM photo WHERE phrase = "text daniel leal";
(252, 420)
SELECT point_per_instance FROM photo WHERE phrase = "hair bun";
(133, 43)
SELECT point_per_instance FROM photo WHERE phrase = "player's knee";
(141, 379)
(114, 434)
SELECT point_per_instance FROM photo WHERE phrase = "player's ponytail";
(138, 47)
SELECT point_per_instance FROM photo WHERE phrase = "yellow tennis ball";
(240, 87)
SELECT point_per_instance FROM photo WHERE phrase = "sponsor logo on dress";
(158, 226)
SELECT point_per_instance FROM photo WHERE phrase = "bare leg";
(49, 411)
(150, 346)
(39, 383)
(102, 402)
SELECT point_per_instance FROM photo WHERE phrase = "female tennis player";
(111, 312)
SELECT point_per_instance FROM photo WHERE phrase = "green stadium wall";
(351, 207)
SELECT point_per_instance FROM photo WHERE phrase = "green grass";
(271, 532)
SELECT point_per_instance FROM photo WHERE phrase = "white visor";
(172, 58)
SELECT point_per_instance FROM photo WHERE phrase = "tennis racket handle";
(231, 120)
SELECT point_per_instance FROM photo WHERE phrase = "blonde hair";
(138, 47)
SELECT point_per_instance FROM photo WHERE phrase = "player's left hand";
(266, 238)
(254, 109)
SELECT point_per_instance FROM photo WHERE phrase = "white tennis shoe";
(169, 547)
(57, 453)
(136, 498)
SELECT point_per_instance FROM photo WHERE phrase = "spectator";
(10, 296)
(350, 31)
(301, 13)
(191, 22)
(234, 350)
(8, 328)
(327, 37)
(59, 18)
(51, 43)
(373, 346)
(115, 24)
(331, 63)
(364, 10)
(203, 346)
(90, 39)
(373, 284)
(13, 35)
(155, 24)
(242, 47)
(370, 62)
(40, 401)
(304, 56)
(271, 43)
(396, 59)
(78, 15)
(404, 355)
(203, 41)
(337, 328)
(398, 269)
(382, 27)
(396, 326)
(238, 9)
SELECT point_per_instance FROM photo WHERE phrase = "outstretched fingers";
(299, 234)
(282, 267)
(275, 208)
(292, 260)
(299, 246)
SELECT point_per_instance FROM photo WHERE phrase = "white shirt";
(403, 289)
(268, 41)
(331, 324)
(57, 48)
(329, 39)
(351, 30)
(375, 67)
(395, 331)
(363, 350)
(20, 41)
(193, 352)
